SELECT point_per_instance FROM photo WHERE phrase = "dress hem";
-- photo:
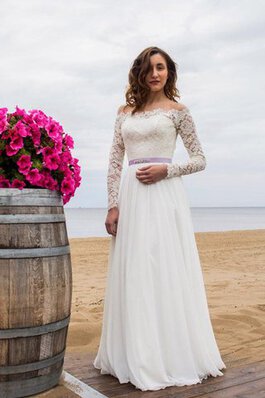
(199, 380)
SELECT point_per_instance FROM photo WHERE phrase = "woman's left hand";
(152, 173)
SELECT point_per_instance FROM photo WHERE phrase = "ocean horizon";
(90, 222)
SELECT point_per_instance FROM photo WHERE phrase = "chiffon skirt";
(156, 329)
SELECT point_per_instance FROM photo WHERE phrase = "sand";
(233, 265)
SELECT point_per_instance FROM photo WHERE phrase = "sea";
(90, 222)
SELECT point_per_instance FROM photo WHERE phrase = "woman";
(156, 328)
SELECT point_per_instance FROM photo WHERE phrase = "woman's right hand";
(111, 222)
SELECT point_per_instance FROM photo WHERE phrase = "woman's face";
(156, 77)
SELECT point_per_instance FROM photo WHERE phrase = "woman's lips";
(154, 82)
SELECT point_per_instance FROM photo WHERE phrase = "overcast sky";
(71, 59)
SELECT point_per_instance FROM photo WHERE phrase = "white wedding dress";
(156, 329)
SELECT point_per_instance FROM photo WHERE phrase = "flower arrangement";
(36, 152)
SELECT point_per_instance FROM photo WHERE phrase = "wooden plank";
(245, 390)
(80, 365)
(59, 391)
(78, 387)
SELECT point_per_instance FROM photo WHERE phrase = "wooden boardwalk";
(242, 381)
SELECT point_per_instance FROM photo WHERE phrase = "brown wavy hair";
(138, 91)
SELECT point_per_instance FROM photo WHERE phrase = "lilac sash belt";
(149, 160)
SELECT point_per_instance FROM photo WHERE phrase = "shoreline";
(196, 232)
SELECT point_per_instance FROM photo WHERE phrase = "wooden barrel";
(35, 290)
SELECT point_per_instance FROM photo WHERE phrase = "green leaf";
(13, 120)
(37, 164)
(17, 175)
(2, 144)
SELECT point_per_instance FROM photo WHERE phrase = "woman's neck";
(156, 98)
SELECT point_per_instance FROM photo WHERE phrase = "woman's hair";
(138, 91)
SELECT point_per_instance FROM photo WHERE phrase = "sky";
(71, 59)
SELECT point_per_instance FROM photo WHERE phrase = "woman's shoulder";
(177, 106)
(124, 109)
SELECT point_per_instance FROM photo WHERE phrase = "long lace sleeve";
(116, 157)
(186, 128)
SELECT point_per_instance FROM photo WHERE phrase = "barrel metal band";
(30, 197)
(28, 367)
(23, 388)
(34, 330)
(31, 218)
(35, 252)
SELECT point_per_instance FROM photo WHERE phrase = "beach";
(233, 264)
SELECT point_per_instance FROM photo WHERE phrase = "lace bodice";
(153, 134)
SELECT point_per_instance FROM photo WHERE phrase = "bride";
(156, 330)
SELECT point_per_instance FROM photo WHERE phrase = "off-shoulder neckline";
(153, 111)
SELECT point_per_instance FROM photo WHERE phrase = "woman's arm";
(186, 128)
(116, 157)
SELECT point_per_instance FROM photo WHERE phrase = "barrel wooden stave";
(35, 293)
(35, 285)
(48, 345)
(33, 235)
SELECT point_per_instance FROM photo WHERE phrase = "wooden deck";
(240, 381)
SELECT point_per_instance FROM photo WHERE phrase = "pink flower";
(47, 151)
(3, 119)
(20, 112)
(54, 130)
(39, 118)
(3, 112)
(21, 129)
(48, 148)
(69, 141)
(53, 185)
(50, 183)
(51, 159)
(17, 142)
(66, 171)
(66, 198)
(10, 151)
(47, 181)
(66, 157)
(35, 134)
(4, 183)
(58, 146)
(74, 162)
(6, 134)
(18, 184)
(52, 162)
(67, 186)
(24, 164)
(33, 176)
(76, 173)
(77, 180)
